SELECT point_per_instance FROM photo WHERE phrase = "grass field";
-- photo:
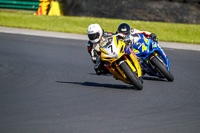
(172, 32)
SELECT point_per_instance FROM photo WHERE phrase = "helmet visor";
(124, 30)
(93, 36)
(127, 33)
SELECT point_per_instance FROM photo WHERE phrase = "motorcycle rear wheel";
(162, 69)
(131, 76)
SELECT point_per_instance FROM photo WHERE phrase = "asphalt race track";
(48, 85)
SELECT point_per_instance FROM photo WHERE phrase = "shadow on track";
(93, 84)
(152, 78)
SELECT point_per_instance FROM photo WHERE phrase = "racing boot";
(98, 66)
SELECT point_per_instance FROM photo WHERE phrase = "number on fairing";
(111, 48)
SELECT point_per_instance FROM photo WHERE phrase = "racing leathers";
(134, 39)
(94, 51)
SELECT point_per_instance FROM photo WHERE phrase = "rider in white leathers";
(95, 34)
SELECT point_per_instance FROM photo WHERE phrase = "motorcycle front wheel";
(162, 69)
(131, 76)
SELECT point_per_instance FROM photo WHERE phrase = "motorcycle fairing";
(147, 46)
(114, 51)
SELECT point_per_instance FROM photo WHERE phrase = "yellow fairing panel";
(118, 76)
(137, 65)
(130, 65)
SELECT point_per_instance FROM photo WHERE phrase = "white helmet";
(94, 32)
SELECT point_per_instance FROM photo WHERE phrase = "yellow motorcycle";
(121, 62)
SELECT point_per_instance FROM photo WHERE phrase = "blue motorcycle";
(154, 61)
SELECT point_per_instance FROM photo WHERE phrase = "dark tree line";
(185, 1)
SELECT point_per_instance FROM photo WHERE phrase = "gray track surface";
(48, 85)
(84, 37)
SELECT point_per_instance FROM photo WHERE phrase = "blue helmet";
(124, 28)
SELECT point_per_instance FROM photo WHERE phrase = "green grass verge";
(172, 32)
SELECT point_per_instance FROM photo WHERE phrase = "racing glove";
(153, 37)
(121, 35)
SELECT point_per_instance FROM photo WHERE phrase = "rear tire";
(131, 76)
(162, 69)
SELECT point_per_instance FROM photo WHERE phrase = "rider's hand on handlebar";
(121, 35)
(153, 37)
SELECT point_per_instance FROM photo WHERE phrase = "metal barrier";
(20, 4)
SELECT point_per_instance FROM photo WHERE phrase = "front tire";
(131, 76)
(162, 69)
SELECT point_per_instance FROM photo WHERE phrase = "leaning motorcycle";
(121, 62)
(154, 59)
